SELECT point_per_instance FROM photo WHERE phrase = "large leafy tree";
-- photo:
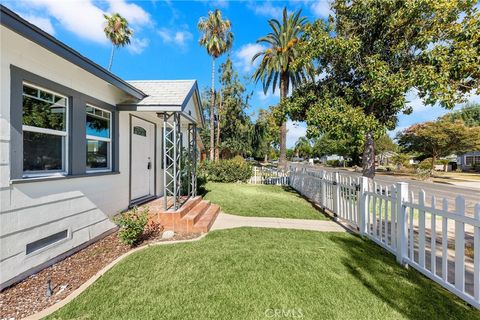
(266, 135)
(275, 68)
(217, 39)
(440, 138)
(347, 147)
(470, 114)
(303, 147)
(234, 127)
(373, 52)
(117, 31)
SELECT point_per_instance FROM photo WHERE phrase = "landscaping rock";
(168, 234)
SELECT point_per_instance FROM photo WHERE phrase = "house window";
(469, 160)
(99, 141)
(139, 131)
(45, 133)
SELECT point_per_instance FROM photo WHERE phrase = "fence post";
(402, 228)
(363, 206)
(336, 194)
(323, 186)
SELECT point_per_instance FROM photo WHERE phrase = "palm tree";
(117, 31)
(217, 39)
(276, 64)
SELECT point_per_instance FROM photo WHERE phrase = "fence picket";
(433, 240)
(411, 243)
(460, 245)
(421, 229)
(476, 262)
(445, 243)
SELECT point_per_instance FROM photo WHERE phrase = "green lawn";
(261, 201)
(249, 273)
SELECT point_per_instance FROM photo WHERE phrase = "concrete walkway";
(228, 221)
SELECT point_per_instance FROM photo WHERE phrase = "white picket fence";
(268, 175)
(431, 239)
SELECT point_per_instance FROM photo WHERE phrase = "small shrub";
(333, 163)
(132, 224)
(231, 170)
(425, 164)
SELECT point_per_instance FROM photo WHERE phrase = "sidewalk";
(227, 221)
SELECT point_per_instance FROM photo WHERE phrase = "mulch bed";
(29, 296)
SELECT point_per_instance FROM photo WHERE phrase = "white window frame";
(108, 140)
(64, 134)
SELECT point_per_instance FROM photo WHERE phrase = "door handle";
(149, 165)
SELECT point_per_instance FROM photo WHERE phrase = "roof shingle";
(164, 92)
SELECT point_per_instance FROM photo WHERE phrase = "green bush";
(132, 224)
(426, 164)
(231, 170)
(333, 163)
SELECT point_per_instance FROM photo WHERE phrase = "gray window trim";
(76, 157)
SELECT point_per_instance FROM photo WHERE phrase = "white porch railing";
(441, 243)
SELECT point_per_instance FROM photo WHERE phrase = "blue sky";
(165, 42)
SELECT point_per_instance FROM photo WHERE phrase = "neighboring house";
(385, 158)
(332, 157)
(469, 160)
(78, 145)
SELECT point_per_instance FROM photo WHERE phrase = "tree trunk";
(111, 58)
(217, 144)
(368, 159)
(212, 115)
(282, 161)
(434, 159)
(266, 158)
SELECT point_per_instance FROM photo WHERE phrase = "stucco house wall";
(32, 209)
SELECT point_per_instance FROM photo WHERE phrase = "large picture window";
(99, 143)
(45, 131)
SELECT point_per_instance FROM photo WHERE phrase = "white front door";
(143, 158)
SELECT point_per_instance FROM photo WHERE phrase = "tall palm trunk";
(282, 162)
(212, 115)
(111, 58)
(368, 160)
(217, 144)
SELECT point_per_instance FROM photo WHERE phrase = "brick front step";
(194, 216)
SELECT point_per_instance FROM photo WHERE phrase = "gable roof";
(166, 96)
(14, 22)
(168, 93)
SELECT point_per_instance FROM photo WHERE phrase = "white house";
(78, 145)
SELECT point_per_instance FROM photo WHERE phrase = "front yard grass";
(261, 201)
(249, 273)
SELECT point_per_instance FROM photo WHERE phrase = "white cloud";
(178, 38)
(295, 130)
(137, 45)
(43, 23)
(243, 57)
(265, 9)
(85, 19)
(134, 14)
(321, 8)
(269, 95)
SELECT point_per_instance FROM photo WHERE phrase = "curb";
(89, 282)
